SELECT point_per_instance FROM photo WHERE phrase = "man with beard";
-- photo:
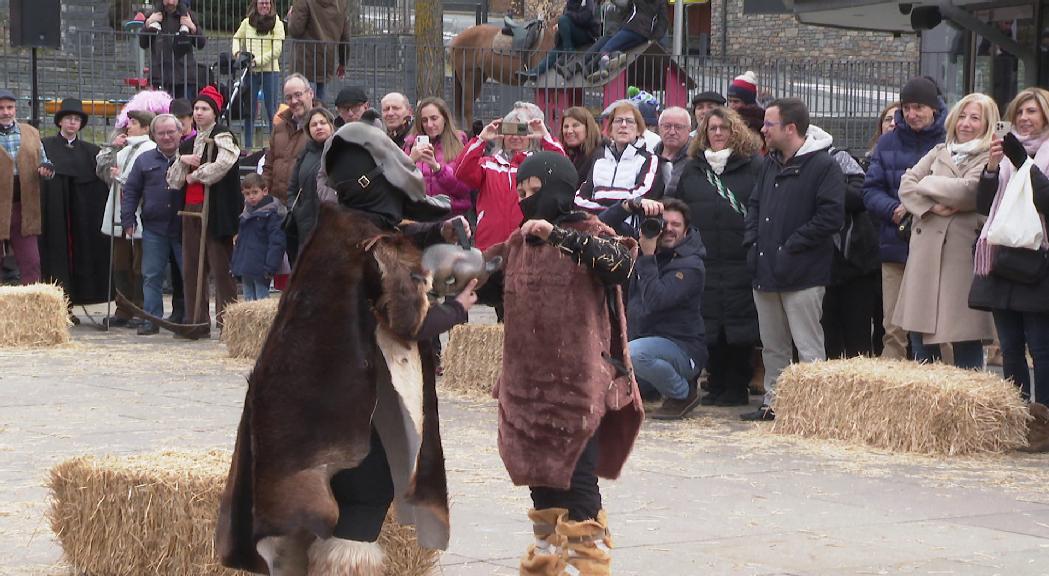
(73, 251)
(340, 419)
(569, 408)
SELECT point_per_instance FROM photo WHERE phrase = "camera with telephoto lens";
(650, 227)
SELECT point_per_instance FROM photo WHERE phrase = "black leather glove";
(1013, 150)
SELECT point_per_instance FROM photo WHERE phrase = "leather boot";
(589, 545)
(547, 557)
(1038, 429)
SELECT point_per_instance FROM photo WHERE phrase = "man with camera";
(171, 33)
(667, 340)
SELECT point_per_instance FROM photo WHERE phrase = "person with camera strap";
(664, 310)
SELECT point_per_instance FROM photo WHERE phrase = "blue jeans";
(661, 365)
(967, 355)
(255, 288)
(156, 251)
(621, 41)
(318, 91)
(269, 83)
(1019, 332)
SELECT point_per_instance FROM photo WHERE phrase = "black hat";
(556, 198)
(921, 90)
(714, 97)
(71, 106)
(181, 108)
(350, 96)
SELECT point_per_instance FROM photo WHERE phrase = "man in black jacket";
(171, 33)
(665, 323)
(798, 204)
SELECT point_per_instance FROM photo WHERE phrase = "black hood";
(556, 199)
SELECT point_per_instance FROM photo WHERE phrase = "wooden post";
(429, 46)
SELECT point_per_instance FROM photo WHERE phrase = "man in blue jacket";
(797, 205)
(161, 227)
(667, 342)
(919, 128)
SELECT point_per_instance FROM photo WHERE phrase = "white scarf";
(961, 152)
(718, 160)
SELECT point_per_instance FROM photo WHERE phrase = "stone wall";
(782, 36)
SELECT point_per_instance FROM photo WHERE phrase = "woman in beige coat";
(940, 194)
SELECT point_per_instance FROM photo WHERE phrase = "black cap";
(708, 97)
(921, 90)
(350, 96)
(6, 94)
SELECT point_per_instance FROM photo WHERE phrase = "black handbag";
(1020, 265)
(903, 229)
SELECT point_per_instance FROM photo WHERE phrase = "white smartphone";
(1001, 128)
(422, 140)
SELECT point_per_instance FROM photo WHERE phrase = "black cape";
(73, 251)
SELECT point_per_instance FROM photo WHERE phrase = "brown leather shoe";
(676, 409)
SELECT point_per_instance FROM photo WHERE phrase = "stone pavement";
(706, 496)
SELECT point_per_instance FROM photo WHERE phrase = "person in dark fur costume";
(340, 418)
(569, 407)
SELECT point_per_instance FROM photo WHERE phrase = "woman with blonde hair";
(581, 137)
(716, 184)
(514, 137)
(435, 155)
(940, 192)
(625, 168)
(1017, 296)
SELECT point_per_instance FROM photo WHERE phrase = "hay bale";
(473, 358)
(33, 315)
(245, 326)
(156, 514)
(901, 406)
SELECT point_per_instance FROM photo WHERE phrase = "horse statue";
(475, 60)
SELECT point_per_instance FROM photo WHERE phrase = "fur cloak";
(566, 372)
(339, 359)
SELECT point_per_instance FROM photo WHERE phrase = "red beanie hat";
(212, 97)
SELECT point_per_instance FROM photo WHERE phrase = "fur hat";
(744, 87)
(921, 90)
(212, 97)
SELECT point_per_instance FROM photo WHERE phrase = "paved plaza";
(706, 496)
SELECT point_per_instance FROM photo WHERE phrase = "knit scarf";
(1037, 146)
(718, 160)
(961, 152)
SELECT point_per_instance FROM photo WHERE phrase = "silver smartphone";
(422, 140)
(1001, 128)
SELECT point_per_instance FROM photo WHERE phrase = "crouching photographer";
(667, 343)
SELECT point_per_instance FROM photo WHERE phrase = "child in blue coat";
(260, 242)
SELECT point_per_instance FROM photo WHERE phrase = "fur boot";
(589, 545)
(547, 556)
(285, 555)
(1038, 429)
(338, 557)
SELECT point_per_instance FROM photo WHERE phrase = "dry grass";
(473, 359)
(156, 514)
(33, 316)
(901, 406)
(246, 325)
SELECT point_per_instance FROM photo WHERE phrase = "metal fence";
(844, 97)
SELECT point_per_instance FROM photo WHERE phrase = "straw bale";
(901, 406)
(245, 326)
(473, 358)
(156, 514)
(33, 315)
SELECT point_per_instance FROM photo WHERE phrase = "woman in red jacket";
(494, 176)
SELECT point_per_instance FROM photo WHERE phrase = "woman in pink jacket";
(433, 144)
(515, 137)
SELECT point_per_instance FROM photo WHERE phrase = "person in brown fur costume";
(340, 418)
(569, 407)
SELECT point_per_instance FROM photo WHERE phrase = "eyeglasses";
(624, 121)
(294, 96)
(767, 124)
(674, 127)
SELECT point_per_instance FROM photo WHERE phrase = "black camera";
(652, 227)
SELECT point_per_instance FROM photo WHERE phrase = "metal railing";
(844, 97)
